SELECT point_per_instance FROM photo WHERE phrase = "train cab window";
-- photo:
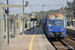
(60, 23)
(51, 23)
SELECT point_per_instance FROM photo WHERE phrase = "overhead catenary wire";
(51, 6)
(35, 7)
(59, 4)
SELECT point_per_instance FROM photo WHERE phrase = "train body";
(55, 25)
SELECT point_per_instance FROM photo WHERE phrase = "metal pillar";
(7, 24)
(28, 25)
(24, 24)
(23, 16)
(19, 24)
(33, 25)
(15, 27)
(1, 28)
(30, 17)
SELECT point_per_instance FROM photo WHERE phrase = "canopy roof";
(34, 18)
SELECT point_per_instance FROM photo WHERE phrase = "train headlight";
(61, 29)
(50, 29)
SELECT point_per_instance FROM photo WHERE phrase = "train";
(54, 25)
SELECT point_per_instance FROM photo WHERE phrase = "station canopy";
(34, 19)
(56, 16)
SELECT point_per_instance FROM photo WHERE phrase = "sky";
(36, 8)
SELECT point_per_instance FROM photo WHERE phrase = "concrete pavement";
(20, 43)
(44, 44)
(72, 28)
(31, 40)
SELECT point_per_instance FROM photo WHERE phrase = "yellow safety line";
(31, 42)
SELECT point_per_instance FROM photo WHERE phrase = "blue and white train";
(55, 25)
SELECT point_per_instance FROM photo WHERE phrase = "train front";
(56, 25)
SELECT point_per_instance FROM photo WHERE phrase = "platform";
(31, 40)
(70, 29)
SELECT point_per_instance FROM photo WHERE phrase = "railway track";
(68, 43)
(70, 39)
(59, 44)
(71, 34)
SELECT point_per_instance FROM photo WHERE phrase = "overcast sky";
(36, 2)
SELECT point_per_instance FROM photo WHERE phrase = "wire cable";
(59, 4)
(53, 3)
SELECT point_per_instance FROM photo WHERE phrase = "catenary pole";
(7, 24)
(23, 22)
(1, 28)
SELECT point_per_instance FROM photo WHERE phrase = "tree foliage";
(10, 15)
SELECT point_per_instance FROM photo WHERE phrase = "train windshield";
(56, 23)
(60, 23)
(51, 23)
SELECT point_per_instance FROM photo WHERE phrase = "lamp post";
(23, 14)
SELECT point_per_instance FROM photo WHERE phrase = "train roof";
(58, 15)
(55, 16)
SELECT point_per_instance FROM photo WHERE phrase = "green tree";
(10, 15)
